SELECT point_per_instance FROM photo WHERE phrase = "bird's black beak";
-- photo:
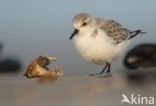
(74, 33)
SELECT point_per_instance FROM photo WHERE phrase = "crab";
(39, 68)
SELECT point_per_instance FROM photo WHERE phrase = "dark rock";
(10, 65)
(141, 56)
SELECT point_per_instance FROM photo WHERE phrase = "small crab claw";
(52, 58)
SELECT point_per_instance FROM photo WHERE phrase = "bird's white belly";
(98, 49)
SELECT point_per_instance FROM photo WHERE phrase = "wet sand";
(74, 90)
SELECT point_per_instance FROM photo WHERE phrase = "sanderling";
(100, 41)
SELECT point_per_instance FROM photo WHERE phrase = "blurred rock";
(141, 56)
(10, 65)
(1, 47)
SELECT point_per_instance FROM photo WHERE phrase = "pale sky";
(30, 28)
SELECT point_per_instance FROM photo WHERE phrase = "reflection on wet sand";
(75, 90)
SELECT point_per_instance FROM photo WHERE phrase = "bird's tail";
(135, 33)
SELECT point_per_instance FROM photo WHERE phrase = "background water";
(29, 28)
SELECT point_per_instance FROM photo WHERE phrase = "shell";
(39, 68)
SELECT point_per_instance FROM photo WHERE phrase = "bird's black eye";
(84, 24)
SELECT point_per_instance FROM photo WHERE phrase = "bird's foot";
(101, 75)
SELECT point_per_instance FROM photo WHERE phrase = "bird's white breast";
(98, 48)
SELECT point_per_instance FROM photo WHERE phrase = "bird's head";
(82, 23)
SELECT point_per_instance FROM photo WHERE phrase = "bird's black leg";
(103, 70)
(108, 70)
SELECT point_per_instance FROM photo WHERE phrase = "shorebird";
(100, 41)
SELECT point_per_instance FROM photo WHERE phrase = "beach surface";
(75, 90)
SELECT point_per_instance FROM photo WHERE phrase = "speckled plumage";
(100, 41)
(114, 30)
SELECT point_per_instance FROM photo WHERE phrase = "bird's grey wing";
(114, 30)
